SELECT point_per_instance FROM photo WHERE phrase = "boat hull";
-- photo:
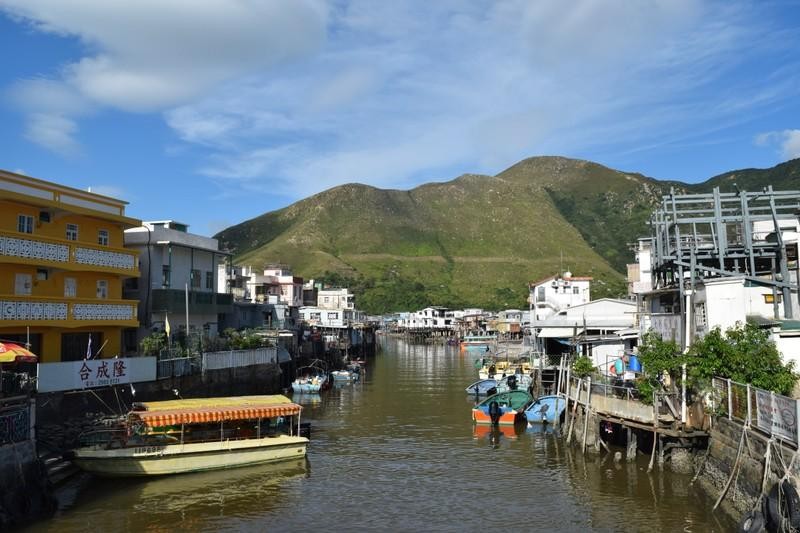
(183, 458)
(545, 410)
(508, 417)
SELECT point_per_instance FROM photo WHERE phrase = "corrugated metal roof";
(762, 321)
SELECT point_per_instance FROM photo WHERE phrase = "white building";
(429, 318)
(601, 329)
(330, 318)
(274, 284)
(335, 299)
(176, 264)
(640, 273)
(551, 295)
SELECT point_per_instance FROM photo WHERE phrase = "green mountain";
(473, 241)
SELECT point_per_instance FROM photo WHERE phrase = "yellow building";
(62, 270)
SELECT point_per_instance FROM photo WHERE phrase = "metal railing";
(176, 367)
(239, 358)
(772, 414)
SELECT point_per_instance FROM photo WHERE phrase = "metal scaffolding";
(718, 235)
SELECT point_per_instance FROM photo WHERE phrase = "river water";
(399, 452)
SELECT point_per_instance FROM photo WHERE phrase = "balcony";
(36, 311)
(69, 255)
(174, 301)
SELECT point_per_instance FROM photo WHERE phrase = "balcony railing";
(67, 252)
(39, 310)
(174, 301)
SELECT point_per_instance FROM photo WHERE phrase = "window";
(333, 316)
(327, 299)
(165, 276)
(41, 274)
(575, 290)
(770, 298)
(195, 281)
(70, 287)
(72, 232)
(22, 284)
(209, 280)
(540, 294)
(102, 289)
(102, 237)
(25, 224)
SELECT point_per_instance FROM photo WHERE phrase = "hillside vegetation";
(474, 241)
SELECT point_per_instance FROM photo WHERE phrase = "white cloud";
(149, 55)
(786, 141)
(295, 97)
(54, 132)
(405, 88)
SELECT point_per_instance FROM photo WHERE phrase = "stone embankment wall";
(62, 416)
(723, 455)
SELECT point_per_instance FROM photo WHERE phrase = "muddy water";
(398, 452)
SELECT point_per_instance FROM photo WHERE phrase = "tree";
(658, 357)
(745, 354)
(582, 366)
(153, 343)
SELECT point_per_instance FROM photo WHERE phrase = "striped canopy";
(247, 410)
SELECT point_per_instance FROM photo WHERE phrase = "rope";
(702, 465)
(734, 470)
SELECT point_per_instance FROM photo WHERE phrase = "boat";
(484, 387)
(514, 382)
(503, 408)
(193, 435)
(345, 375)
(312, 378)
(545, 410)
(491, 368)
(477, 343)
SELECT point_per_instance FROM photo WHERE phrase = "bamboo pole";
(587, 411)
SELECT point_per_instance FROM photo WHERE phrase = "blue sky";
(215, 111)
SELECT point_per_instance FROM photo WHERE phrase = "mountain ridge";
(473, 240)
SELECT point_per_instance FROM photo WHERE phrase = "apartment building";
(62, 269)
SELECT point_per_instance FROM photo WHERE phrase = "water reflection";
(198, 501)
(398, 451)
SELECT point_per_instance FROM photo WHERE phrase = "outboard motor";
(512, 382)
(494, 413)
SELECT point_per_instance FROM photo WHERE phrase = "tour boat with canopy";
(191, 435)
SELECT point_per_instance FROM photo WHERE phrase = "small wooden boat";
(484, 387)
(503, 408)
(193, 435)
(312, 378)
(545, 410)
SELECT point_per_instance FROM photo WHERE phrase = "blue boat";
(545, 410)
(483, 387)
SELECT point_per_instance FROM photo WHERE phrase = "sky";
(213, 112)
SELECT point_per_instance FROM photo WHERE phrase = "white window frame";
(70, 287)
(23, 284)
(25, 223)
(102, 289)
(72, 232)
(102, 237)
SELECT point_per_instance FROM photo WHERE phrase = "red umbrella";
(14, 353)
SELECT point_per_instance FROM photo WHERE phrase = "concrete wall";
(26, 493)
